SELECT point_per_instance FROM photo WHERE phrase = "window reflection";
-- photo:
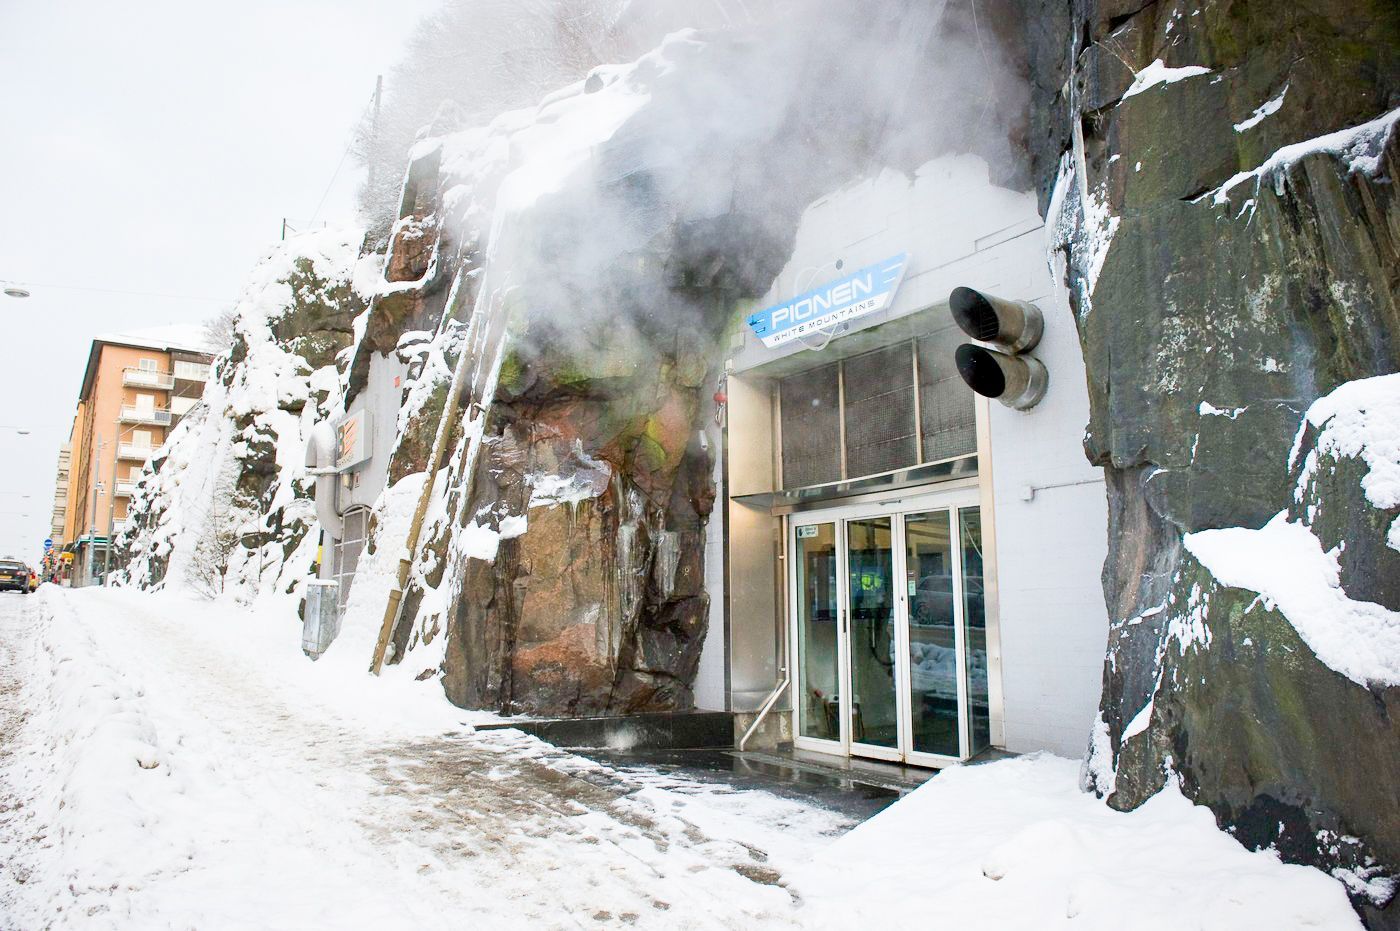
(933, 667)
(975, 630)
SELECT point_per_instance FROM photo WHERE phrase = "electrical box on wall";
(353, 440)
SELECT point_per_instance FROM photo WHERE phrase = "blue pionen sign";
(862, 292)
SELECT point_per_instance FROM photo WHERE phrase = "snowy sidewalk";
(168, 776)
(173, 764)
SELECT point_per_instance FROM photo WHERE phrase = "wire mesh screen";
(347, 551)
(945, 403)
(880, 411)
(811, 427)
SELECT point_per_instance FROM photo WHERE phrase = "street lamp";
(22, 431)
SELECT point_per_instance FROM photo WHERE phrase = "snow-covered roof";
(189, 337)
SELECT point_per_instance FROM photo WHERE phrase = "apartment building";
(135, 389)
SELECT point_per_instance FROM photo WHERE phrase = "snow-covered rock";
(1221, 186)
(225, 507)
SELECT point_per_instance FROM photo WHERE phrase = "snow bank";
(375, 575)
(182, 765)
(1265, 110)
(1016, 844)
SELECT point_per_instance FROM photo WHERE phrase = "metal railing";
(134, 451)
(147, 378)
(159, 416)
(125, 489)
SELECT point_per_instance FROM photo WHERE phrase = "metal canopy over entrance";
(889, 629)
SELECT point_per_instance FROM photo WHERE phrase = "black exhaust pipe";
(1016, 381)
(1015, 325)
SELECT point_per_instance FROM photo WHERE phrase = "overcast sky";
(156, 146)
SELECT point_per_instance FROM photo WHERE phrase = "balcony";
(136, 452)
(126, 488)
(158, 416)
(145, 378)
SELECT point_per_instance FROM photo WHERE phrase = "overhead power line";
(178, 297)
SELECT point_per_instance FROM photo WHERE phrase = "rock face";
(225, 507)
(1220, 175)
(599, 605)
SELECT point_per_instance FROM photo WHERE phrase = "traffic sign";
(48, 544)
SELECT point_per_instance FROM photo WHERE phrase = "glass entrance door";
(890, 633)
(934, 671)
(817, 692)
(871, 597)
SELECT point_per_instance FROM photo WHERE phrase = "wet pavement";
(857, 794)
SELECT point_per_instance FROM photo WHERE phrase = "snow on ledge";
(1358, 147)
(1158, 73)
(1285, 563)
(1262, 112)
(1360, 419)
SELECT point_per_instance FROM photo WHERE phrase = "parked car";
(14, 576)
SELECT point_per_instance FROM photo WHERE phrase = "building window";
(877, 412)
(192, 371)
(148, 365)
(180, 406)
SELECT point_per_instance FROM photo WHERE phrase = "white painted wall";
(1051, 549)
(381, 396)
(962, 230)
